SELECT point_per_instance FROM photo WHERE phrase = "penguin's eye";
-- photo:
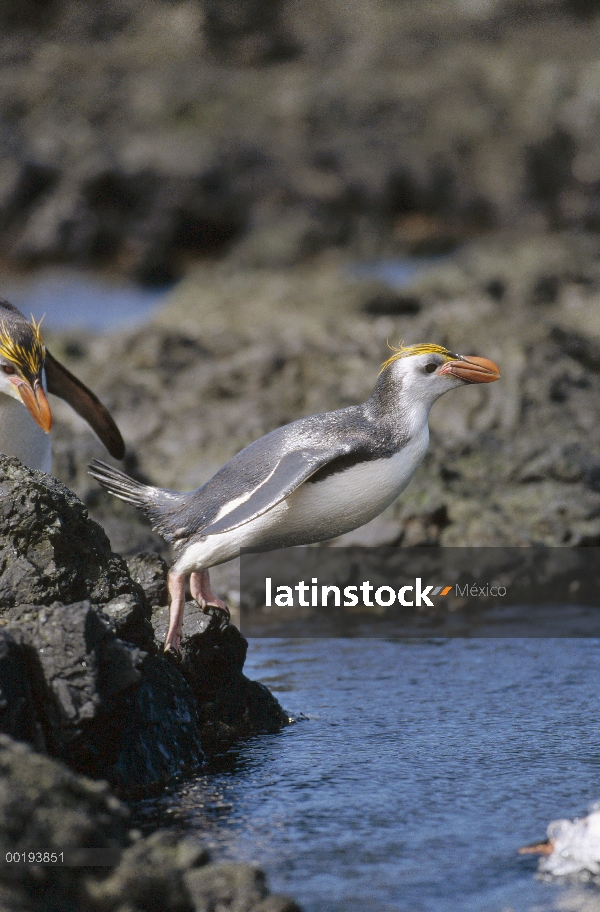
(430, 368)
(8, 369)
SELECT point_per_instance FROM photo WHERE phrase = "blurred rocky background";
(141, 134)
(265, 161)
(306, 182)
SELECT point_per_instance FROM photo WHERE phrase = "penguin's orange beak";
(472, 369)
(36, 403)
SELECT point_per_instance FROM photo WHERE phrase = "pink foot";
(176, 583)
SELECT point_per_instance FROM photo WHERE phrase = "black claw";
(173, 653)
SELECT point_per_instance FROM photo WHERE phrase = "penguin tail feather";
(120, 484)
(162, 507)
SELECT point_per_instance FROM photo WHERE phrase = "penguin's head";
(22, 356)
(426, 371)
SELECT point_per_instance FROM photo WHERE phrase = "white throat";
(21, 437)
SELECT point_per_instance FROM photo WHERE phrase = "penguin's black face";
(22, 355)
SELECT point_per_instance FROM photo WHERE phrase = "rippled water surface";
(420, 769)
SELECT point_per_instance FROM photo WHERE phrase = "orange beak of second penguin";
(34, 399)
(472, 369)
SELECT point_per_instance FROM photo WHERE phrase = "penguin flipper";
(64, 384)
(292, 470)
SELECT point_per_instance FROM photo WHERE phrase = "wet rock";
(49, 549)
(149, 734)
(230, 706)
(43, 805)
(94, 695)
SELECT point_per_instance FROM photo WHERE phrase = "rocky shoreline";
(233, 353)
(79, 647)
(45, 806)
(83, 680)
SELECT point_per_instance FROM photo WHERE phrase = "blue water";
(420, 770)
(398, 272)
(69, 299)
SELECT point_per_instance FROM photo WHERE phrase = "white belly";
(316, 512)
(21, 437)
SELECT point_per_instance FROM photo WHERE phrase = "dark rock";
(425, 528)
(549, 169)
(49, 549)
(545, 290)
(18, 715)
(97, 702)
(131, 620)
(496, 288)
(85, 680)
(387, 301)
(44, 806)
(150, 875)
(248, 32)
(150, 571)
(564, 384)
(75, 663)
(230, 706)
(148, 735)
(592, 477)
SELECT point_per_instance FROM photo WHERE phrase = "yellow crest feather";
(422, 348)
(30, 358)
